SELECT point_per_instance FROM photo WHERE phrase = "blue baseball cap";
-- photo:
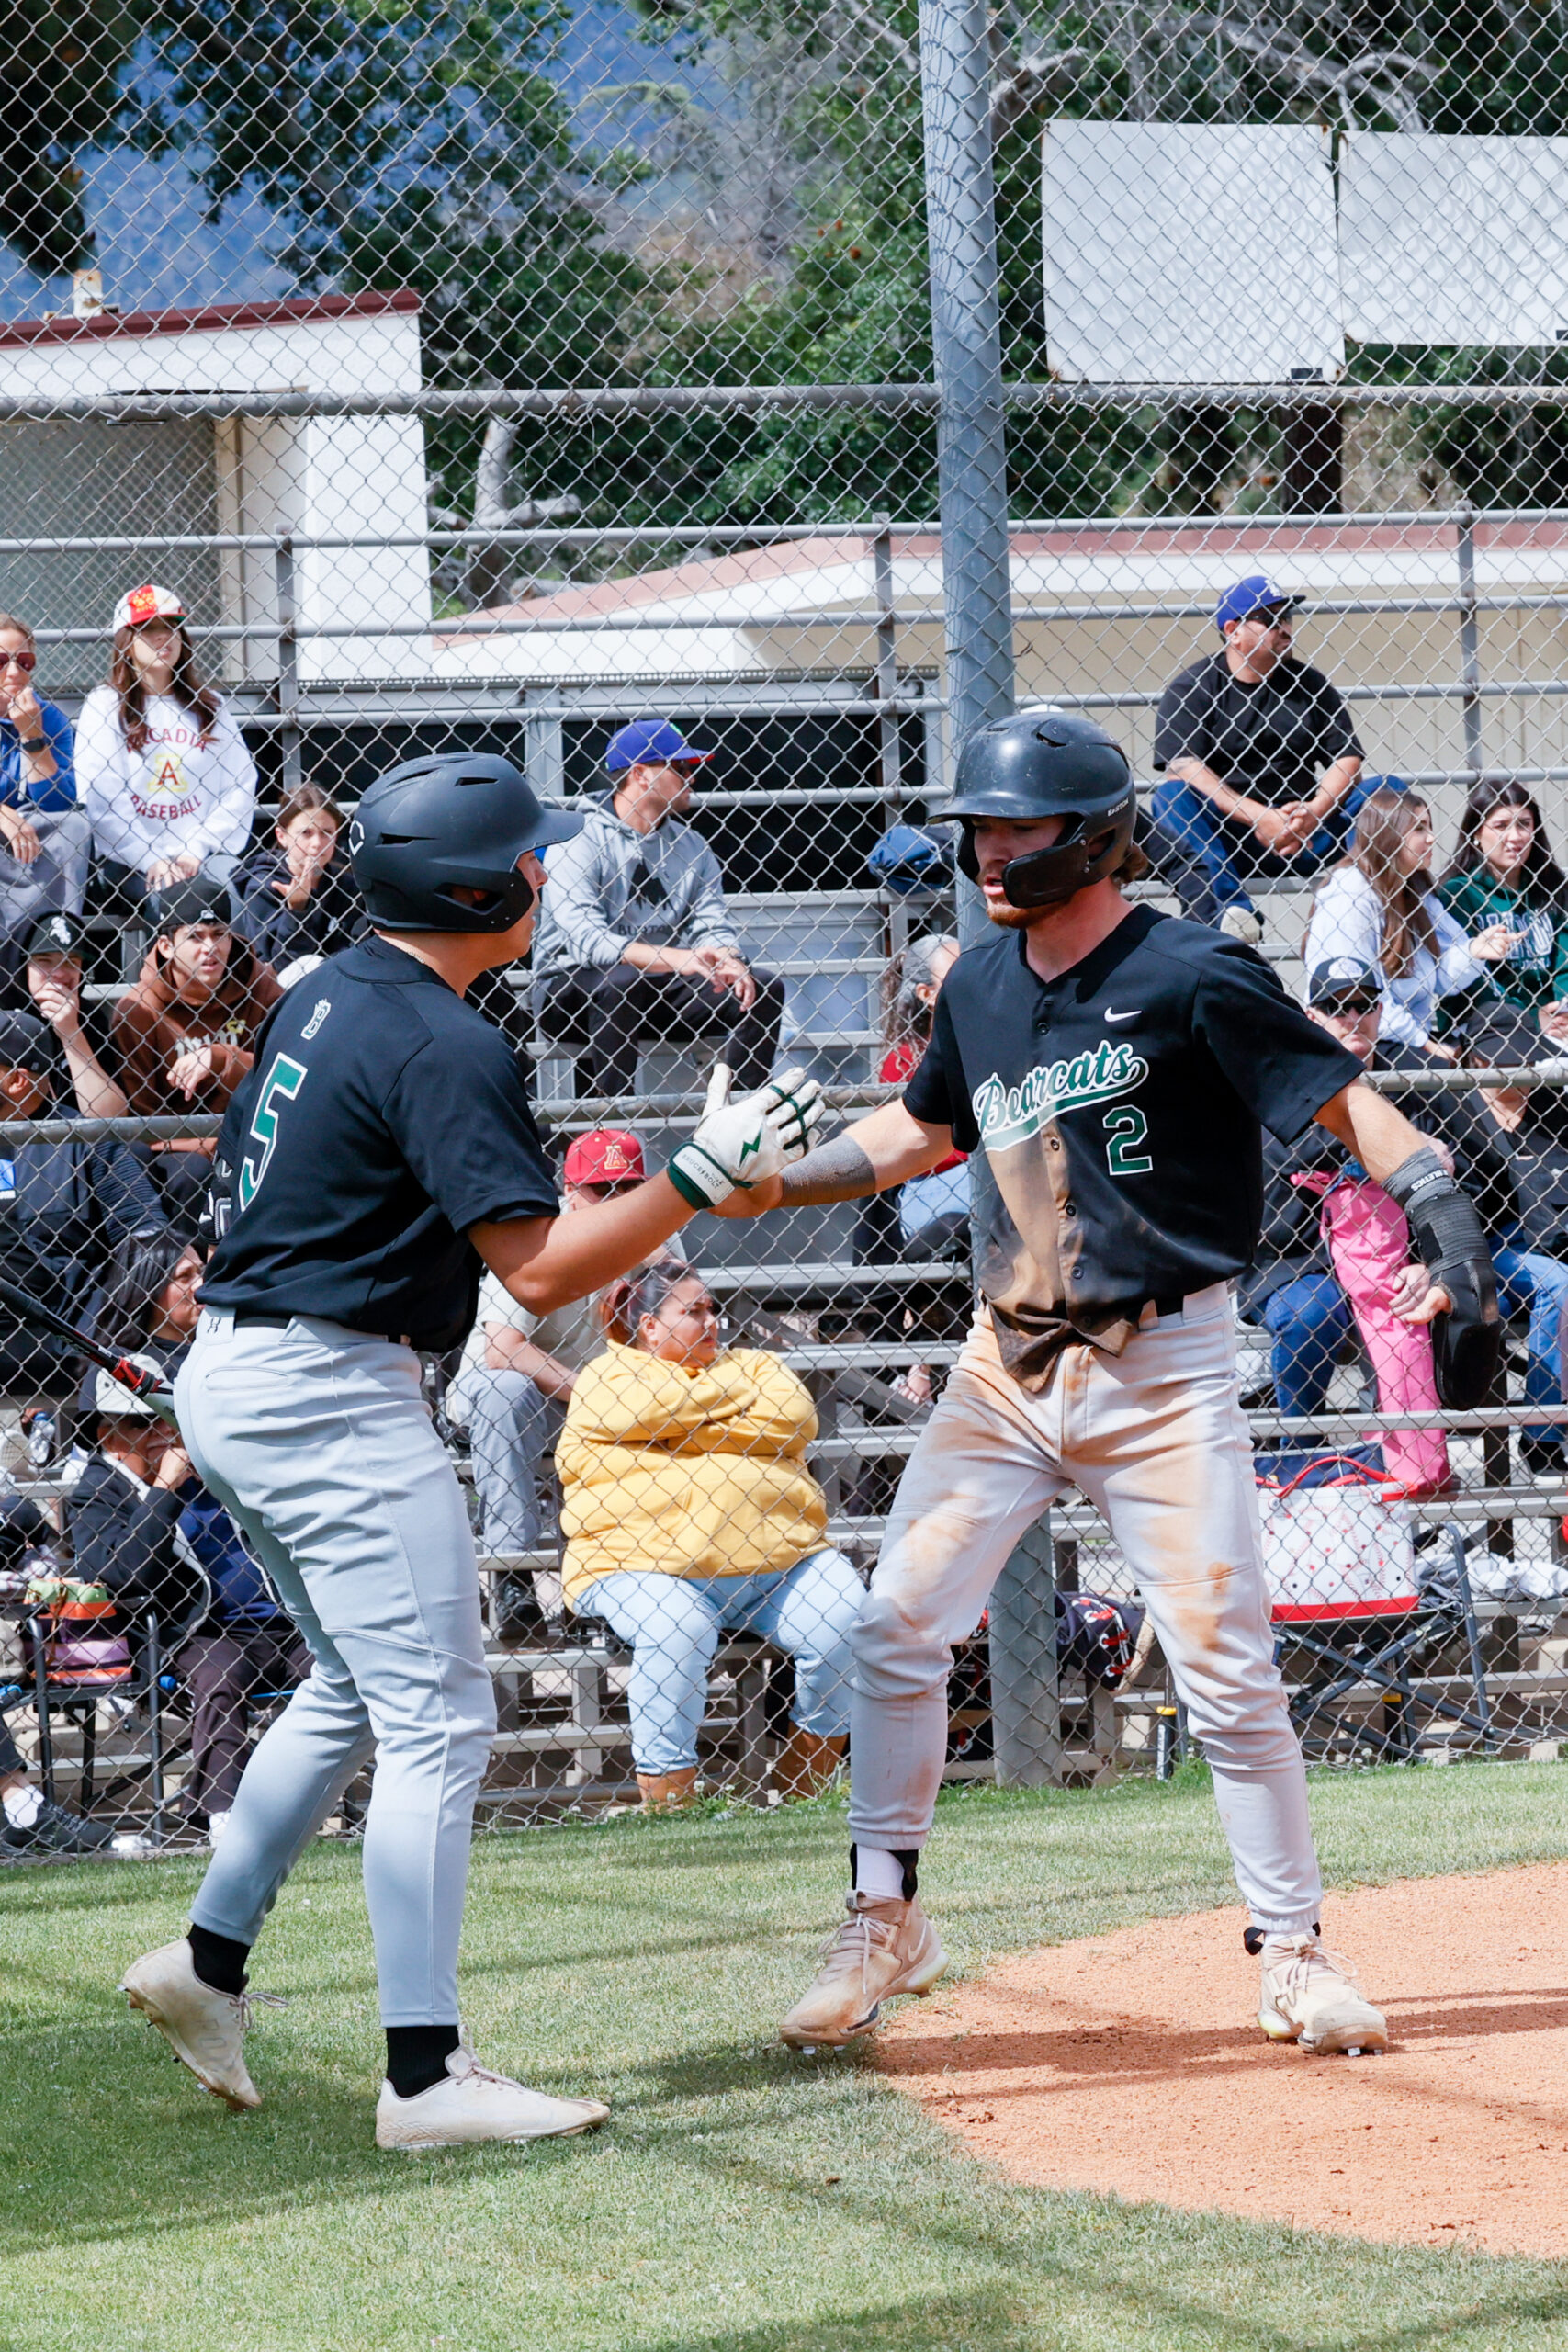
(648, 742)
(1256, 594)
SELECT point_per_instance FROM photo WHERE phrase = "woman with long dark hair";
(162, 768)
(1380, 910)
(1505, 882)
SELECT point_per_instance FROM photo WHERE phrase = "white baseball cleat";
(1311, 1996)
(473, 2104)
(885, 1947)
(204, 2029)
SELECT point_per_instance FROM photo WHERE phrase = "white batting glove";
(740, 1144)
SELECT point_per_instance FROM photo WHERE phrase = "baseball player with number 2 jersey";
(1115, 1068)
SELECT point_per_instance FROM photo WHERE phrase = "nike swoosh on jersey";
(1124, 1016)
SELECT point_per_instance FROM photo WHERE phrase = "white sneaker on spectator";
(1240, 923)
(473, 2104)
(204, 2029)
(216, 1823)
(1310, 1996)
(131, 1846)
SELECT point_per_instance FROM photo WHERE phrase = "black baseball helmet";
(431, 826)
(1046, 762)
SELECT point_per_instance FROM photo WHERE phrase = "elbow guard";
(1446, 1235)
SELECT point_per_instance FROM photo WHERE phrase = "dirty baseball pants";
(1157, 1440)
(317, 1443)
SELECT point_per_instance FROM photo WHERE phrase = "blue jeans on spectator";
(1230, 854)
(674, 1625)
(1309, 1320)
(1526, 1280)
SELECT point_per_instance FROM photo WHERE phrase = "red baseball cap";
(607, 1156)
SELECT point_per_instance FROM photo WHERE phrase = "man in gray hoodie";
(635, 942)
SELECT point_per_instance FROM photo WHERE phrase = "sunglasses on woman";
(19, 661)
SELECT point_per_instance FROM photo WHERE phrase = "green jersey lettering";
(282, 1083)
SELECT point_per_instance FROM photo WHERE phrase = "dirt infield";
(1131, 2065)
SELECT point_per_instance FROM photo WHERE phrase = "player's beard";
(1007, 917)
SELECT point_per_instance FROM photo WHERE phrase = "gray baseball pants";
(317, 1441)
(1157, 1440)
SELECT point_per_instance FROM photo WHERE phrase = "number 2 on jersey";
(1126, 1129)
(283, 1082)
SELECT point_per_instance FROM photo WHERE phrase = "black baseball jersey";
(384, 1116)
(1120, 1109)
(1272, 740)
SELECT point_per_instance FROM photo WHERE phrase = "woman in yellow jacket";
(688, 1510)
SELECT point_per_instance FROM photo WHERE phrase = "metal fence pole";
(886, 688)
(1469, 640)
(966, 344)
(288, 735)
(1026, 1722)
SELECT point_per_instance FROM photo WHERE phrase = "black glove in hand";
(1445, 1233)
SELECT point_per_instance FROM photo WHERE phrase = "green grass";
(648, 1960)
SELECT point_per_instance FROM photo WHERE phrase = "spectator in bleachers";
(53, 975)
(689, 1511)
(1511, 1152)
(1261, 755)
(1507, 893)
(146, 1306)
(45, 839)
(635, 942)
(142, 1524)
(516, 1375)
(183, 1034)
(164, 770)
(295, 895)
(185, 1031)
(933, 1209)
(1335, 1248)
(64, 1208)
(1381, 908)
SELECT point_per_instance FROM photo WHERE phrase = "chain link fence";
(497, 377)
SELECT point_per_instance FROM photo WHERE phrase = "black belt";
(245, 1316)
(1133, 1310)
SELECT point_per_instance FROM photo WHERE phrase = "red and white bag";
(1337, 1548)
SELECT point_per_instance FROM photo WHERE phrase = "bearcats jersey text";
(1119, 1107)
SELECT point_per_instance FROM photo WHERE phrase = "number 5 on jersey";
(282, 1083)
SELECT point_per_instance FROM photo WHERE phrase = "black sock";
(417, 2055)
(219, 1961)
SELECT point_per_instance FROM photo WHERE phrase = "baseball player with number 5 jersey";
(383, 1153)
(1115, 1068)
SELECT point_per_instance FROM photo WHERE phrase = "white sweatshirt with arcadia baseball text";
(177, 797)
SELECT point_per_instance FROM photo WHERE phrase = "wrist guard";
(1446, 1235)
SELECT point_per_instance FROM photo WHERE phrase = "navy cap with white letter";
(1256, 594)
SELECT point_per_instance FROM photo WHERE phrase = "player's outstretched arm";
(546, 1261)
(887, 1146)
